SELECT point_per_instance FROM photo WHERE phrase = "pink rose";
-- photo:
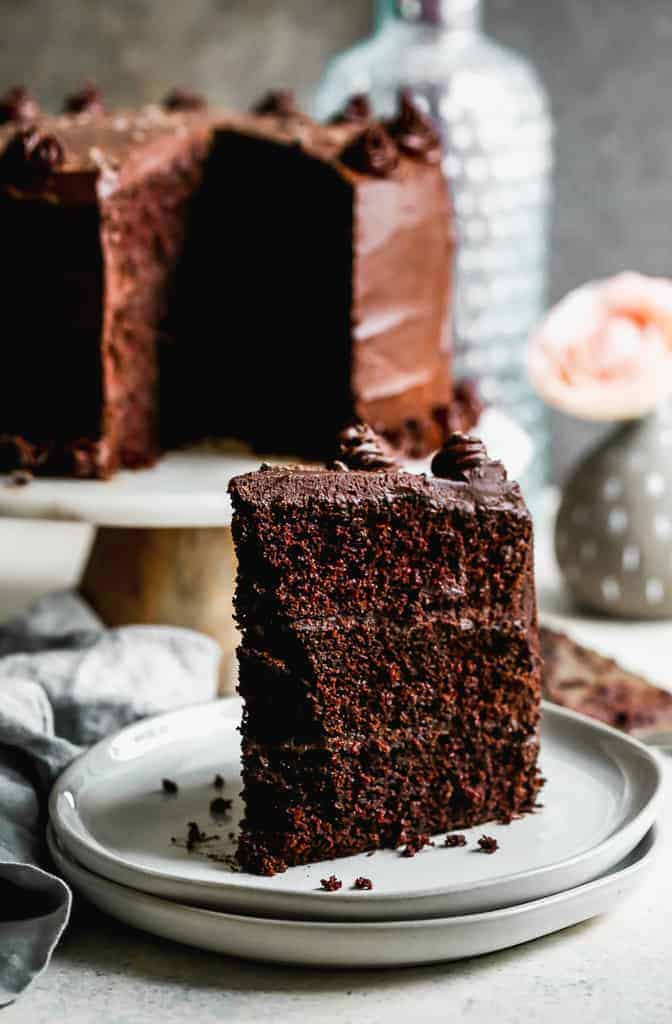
(605, 351)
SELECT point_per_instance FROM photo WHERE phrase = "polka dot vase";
(614, 529)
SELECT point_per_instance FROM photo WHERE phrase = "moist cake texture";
(183, 272)
(389, 662)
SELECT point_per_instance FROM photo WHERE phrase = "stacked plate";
(121, 840)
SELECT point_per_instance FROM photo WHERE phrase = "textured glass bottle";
(494, 119)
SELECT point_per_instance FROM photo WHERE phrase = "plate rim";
(647, 859)
(75, 843)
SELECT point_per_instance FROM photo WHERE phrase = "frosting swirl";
(30, 156)
(360, 447)
(357, 110)
(87, 100)
(182, 100)
(279, 103)
(414, 132)
(465, 459)
(18, 105)
(372, 152)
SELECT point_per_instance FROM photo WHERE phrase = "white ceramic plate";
(110, 814)
(339, 944)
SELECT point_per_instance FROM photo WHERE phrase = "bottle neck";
(451, 15)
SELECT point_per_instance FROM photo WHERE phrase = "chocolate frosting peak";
(18, 105)
(183, 100)
(372, 152)
(465, 458)
(280, 103)
(30, 156)
(357, 110)
(414, 132)
(359, 447)
(87, 100)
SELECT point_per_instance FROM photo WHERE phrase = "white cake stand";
(163, 551)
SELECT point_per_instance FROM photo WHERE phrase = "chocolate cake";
(583, 680)
(389, 661)
(184, 272)
(93, 212)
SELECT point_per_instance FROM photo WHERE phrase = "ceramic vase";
(614, 527)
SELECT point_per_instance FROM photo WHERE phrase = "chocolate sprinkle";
(372, 152)
(331, 884)
(169, 786)
(87, 100)
(414, 132)
(488, 844)
(363, 884)
(454, 840)
(359, 447)
(183, 100)
(357, 110)
(18, 105)
(30, 157)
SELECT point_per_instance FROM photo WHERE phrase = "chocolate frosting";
(357, 110)
(87, 100)
(359, 447)
(19, 106)
(465, 458)
(184, 100)
(372, 152)
(414, 132)
(30, 157)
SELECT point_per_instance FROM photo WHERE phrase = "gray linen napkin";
(66, 682)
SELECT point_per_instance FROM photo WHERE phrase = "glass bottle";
(496, 126)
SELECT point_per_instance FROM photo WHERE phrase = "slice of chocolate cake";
(578, 678)
(389, 663)
(229, 275)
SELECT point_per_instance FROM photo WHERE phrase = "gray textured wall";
(605, 62)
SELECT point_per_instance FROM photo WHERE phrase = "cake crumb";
(363, 884)
(488, 844)
(219, 806)
(455, 840)
(170, 787)
(194, 835)
(218, 781)
(414, 844)
(331, 884)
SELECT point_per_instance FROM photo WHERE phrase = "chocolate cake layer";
(334, 686)
(389, 664)
(468, 556)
